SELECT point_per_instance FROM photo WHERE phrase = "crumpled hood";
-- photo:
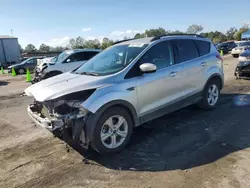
(63, 84)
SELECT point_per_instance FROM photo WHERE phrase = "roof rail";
(184, 34)
(122, 41)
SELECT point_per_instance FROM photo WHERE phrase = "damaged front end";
(242, 69)
(64, 114)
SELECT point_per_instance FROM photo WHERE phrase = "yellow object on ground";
(13, 72)
(28, 76)
(221, 53)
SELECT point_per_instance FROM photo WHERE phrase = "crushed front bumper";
(242, 70)
(37, 77)
(75, 128)
(51, 125)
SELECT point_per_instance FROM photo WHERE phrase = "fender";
(214, 72)
(92, 118)
(215, 76)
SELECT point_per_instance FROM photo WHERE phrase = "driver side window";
(160, 55)
(32, 61)
(74, 58)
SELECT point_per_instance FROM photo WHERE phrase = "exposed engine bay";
(64, 114)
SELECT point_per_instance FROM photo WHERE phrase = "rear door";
(190, 67)
(31, 64)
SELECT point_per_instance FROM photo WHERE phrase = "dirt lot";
(188, 148)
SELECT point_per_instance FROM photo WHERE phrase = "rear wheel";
(211, 95)
(21, 71)
(112, 131)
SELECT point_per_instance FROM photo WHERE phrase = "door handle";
(173, 74)
(203, 64)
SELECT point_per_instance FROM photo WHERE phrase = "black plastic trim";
(171, 108)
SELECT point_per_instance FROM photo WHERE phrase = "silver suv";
(126, 85)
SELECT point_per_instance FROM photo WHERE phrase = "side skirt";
(171, 108)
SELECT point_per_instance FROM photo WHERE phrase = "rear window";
(186, 50)
(203, 47)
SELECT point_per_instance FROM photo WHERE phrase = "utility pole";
(11, 32)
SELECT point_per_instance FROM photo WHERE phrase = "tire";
(235, 56)
(21, 71)
(105, 145)
(208, 101)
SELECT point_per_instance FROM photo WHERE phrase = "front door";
(158, 89)
(73, 61)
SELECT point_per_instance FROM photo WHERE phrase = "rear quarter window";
(186, 50)
(203, 47)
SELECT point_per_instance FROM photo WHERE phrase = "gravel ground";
(187, 148)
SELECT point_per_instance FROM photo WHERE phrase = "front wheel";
(211, 95)
(112, 131)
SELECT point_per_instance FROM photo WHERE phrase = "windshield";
(63, 55)
(111, 60)
(244, 44)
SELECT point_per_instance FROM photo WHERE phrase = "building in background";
(245, 35)
(9, 50)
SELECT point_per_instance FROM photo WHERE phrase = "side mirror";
(148, 68)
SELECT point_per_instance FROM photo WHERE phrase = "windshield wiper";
(90, 73)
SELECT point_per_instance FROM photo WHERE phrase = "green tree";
(79, 42)
(44, 48)
(216, 36)
(231, 33)
(155, 32)
(106, 43)
(194, 29)
(238, 34)
(175, 32)
(139, 35)
(30, 48)
(72, 43)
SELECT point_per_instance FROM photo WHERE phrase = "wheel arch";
(217, 77)
(92, 118)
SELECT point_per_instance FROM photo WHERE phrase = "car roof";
(84, 50)
(148, 40)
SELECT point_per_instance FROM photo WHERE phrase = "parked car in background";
(243, 67)
(134, 81)
(45, 60)
(226, 47)
(21, 68)
(240, 48)
(64, 62)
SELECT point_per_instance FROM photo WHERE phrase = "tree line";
(80, 43)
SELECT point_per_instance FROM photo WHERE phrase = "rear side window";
(185, 50)
(89, 55)
(203, 47)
